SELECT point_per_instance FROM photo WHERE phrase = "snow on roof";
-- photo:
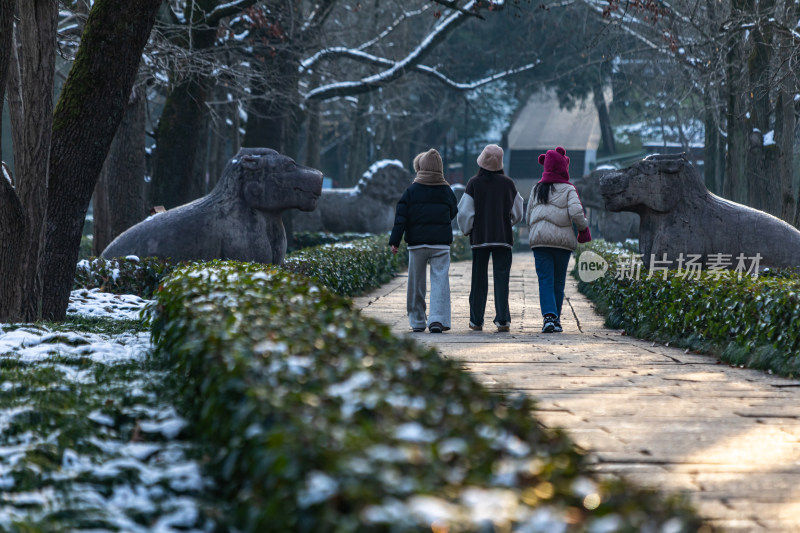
(542, 124)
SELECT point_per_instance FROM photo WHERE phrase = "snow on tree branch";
(7, 173)
(398, 68)
(469, 9)
(319, 15)
(393, 26)
(358, 55)
(599, 6)
(225, 10)
(337, 50)
(12, 212)
(478, 83)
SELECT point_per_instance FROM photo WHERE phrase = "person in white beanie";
(425, 214)
(489, 208)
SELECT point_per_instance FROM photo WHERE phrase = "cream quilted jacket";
(550, 224)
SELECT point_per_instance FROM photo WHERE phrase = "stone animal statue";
(366, 208)
(678, 215)
(613, 227)
(240, 219)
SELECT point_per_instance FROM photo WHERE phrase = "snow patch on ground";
(95, 303)
(115, 458)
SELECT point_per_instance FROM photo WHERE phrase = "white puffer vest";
(550, 224)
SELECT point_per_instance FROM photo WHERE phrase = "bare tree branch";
(364, 57)
(227, 9)
(399, 68)
(323, 54)
(319, 15)
(468, 10)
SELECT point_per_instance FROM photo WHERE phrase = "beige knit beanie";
(491, 158)
(429, 161)
(416, 161)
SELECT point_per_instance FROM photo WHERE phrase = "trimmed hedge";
(324, 421)
(349, 268)
(130, 275)
(743, 320)
(309, 239)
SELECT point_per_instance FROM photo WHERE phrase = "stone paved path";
(655, 415)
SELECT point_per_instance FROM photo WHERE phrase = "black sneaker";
(549, 323)
(436, 327)
(417, 330)
(557, 323)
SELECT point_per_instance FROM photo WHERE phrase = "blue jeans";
(551, 269)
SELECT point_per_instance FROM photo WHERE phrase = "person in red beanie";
(489, 208)
(554, 206)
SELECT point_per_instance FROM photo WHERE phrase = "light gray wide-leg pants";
(418, 259)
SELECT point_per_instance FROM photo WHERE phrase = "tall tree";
(86, 117)
(736, 58)
(22, 213)
(6, 32)
(118, 199)
(181, 129)
(258, 56)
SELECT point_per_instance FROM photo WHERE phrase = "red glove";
(584, 235)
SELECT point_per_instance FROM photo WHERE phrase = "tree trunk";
(178, 136)
(119, 201)
(714, 146)
(357, 156)
(13, 234)
(176, 179)
(736, 160)
(216, 152)
(606, 131)
(6, 41)
(86, 118)
(23, 237)
(785, 118)
(314, 134)
(16, 106)
(274, 123)
(763, 180)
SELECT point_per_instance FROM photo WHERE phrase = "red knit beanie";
(556, 165)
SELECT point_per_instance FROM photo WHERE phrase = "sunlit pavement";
(655, 415)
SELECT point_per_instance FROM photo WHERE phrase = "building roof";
(542, 124)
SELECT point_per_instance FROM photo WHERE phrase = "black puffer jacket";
(425, 214)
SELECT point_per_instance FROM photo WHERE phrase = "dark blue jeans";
(551, 269)
(501, 270)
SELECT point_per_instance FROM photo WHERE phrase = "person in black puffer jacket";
(425, 214)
